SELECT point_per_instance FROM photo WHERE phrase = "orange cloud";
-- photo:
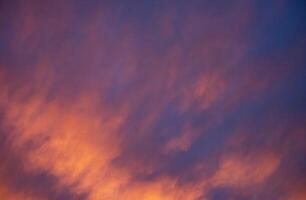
(245, 171)
(77, 143)
(8, 194)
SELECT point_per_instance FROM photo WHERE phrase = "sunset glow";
(152, 100)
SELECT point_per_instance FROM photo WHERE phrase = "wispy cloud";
(154, 100)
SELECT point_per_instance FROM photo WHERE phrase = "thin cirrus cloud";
(152, 100)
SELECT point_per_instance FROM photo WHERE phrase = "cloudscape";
(152, 100)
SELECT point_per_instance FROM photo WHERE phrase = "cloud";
(154, 100)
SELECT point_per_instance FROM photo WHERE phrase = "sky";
(152, 100)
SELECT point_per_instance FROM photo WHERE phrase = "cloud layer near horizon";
(185, 100)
